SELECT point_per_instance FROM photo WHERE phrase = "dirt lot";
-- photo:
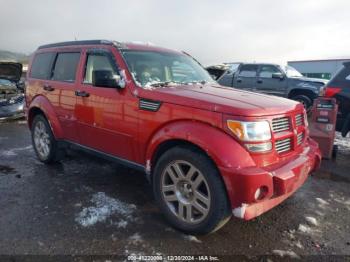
(86, 206)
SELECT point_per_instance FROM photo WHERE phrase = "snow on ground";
(14, 151)
(192, 238)
(285, 253)
(104, 207)
(342, 142)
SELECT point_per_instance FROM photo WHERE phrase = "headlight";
(250, 131)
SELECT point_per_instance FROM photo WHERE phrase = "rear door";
(53, 75)
(267, 84)
(246, 77)
(63, 83)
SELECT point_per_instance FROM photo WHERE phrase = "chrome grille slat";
(283, 145)
(299, 119)
(300, 138)
(280, 124)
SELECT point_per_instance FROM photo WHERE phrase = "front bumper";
(12, 111)
(278, 181)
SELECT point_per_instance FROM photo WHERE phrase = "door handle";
(82, 93)
(239, 80)
(259, 81)
(49, 88)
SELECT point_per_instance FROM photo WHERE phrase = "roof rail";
(83, 42)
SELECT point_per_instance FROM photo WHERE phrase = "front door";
(267, 84)
(105, 116)
(246, 77)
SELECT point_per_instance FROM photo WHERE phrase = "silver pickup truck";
(269, 79)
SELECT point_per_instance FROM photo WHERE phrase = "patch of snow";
(13, 152)
(121, 223)
(239, 211)
(192, 238)
(104, 207)
(311, 221)
(342, 142)
(135, 239)
(321, 201)
(285, 253)
(304, 229)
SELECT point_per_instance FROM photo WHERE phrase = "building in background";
(318, 68)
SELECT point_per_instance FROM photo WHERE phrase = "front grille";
(283, 145)
(280, 124)
(299, 119)
(300, 138)
(11, 101)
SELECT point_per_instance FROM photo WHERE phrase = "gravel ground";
(85, 207)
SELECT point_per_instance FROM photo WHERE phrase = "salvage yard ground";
(87, 206)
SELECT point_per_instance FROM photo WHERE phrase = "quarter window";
(66, 67)
(248, 71)
(268, 70)
(98, 62)
(41, 66)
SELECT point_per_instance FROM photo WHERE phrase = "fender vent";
(150, 105)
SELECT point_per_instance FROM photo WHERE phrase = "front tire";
(43, 140)
(190, 192)
(305, 100)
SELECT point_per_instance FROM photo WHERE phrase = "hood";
(222, 99)
(11, 71)
(313, 80)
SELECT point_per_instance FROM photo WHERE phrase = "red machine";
(322, 125)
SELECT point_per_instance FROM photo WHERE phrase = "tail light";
(330, 91)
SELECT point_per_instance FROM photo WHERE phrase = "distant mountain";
(12, 56)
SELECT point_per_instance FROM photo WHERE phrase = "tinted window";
(248, 71)
(66, 67)
(41, 66)
(96, 62)
(342, 78)
(267, 71)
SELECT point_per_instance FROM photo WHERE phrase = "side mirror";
(106, 78)
(279, 76)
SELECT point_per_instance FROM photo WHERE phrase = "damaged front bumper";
(12, 108)
(253, 190)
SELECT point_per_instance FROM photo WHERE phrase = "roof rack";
(83, 42)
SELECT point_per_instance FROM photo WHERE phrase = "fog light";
(261, 192)
(259, 148)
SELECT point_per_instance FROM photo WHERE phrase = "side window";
(267, 71)
(98, 62)
(66, 67)
(41, 66)
(248, 71)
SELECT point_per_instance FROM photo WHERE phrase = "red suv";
(209, 151)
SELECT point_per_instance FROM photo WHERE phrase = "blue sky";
(212, 31)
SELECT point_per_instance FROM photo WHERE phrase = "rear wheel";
(190, 192)
(44, 142)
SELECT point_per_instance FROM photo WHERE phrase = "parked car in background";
(271, 79)
(209, 151)
(339, 88)
(11, 91)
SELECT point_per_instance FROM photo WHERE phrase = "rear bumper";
(276, 182)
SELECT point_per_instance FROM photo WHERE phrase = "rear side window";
(342, 78)
(66, 67)
(248, 71)
(41, 66)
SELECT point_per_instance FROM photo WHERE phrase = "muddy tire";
(43, 140)
(190, 192)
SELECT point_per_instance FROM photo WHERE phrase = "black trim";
(149, 105)
(125, 162)
(83, 42)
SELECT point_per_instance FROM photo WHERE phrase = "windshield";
(291, 71)
(151, 68)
